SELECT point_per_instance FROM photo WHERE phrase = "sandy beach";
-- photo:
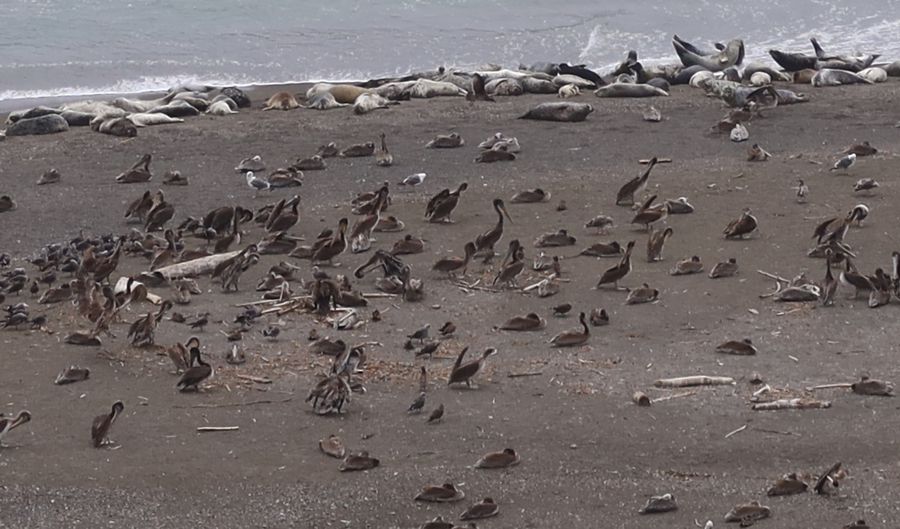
(590, 457)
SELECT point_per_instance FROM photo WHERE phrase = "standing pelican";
(618, 272)
(361, 234)
(465, 372)
(442, 205)
(635, 186)
(103, 424)
(485, 242)
(197, 373)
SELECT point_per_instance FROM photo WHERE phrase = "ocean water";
(82, 47)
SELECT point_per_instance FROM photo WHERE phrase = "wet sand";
(590, 456)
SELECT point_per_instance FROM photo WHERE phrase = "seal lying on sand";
(426, 88)
(504, 87)
(581, 71)
(114, 126)
(343, 93)
(77, 119)
(565, 80)
(324, 101)
(565, 111)
(145, 119)
(629, 90)
(366, 103)
(731, 55)
(237, 95)
(35, 112)
(794, 62)
(831, 77)
(222, 107)
(281, 101)
(872, 74)
(176, 109)
(46, 124)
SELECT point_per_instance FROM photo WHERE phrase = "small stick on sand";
(237, 404)
(842, 385)
(674, 396)
(527, 374)
(658, 160)
(378, 295)
(258, 380)
(218, 428)
(792, 404)
(773, 276)
(735, 432)
(696, 380)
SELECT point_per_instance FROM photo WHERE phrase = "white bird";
(802, 191)
(257, 183)
(845, 163)
(413, 179)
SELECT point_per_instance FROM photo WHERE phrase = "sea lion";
(660, 83)
(426, 88)
(874, 74)
(581, 71)
(343, 93)
(95, 108)
(731, 55)
(324, 101)
(563, 80)
(629, 90)
(118, 127)
(803, 76)
(568, 91)
(755, 67)
(760, 79)
(176, 109)
(682, 75)
(138, 105)
(893, 69)
(198, 101)
(46, 124)
(77, 119)
(281, 101)
(144, 119)
(534, 85)
(504, 87)
(223, 107)
(563, 111)
(793, 62)
(548, 68)
(367, 102)
(35, 112)
(832, 77)
(237, 95)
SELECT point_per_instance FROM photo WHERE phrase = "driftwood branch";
(195, 267)
(218, 428)
(696, 380)
(842, 385)
(792, 404)
(238, 404)
(674, 396)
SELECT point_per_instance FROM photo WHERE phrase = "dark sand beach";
(590, 457)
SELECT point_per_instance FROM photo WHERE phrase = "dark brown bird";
(744, 225)
(485, 242)
(7, 424)
(436, 415)
(333, 247)
(450, 265)
(486, 508)
(648, 213)
(281, 220)
(635, 186)
(442, 204)
(618, 272)
(463, 373)
(103, 424)
(196, 374)
(447, 329)
(861, 149)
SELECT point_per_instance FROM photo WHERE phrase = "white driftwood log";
(195, 267)
(792, 404)
(696, 380)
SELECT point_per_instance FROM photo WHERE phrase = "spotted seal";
(629, 90)
(832, 77)
(559, 111)
(731, 54)
(324, 101)
(46, 124)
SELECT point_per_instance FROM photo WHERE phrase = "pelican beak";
(503, 208)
